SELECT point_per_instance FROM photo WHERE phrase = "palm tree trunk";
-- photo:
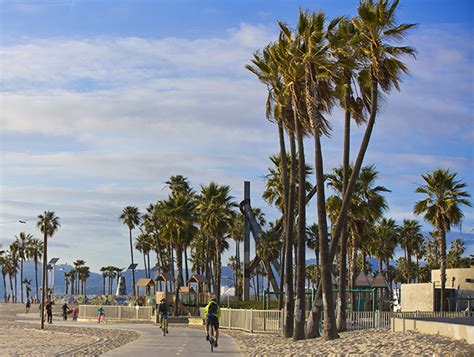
(300, 304)
(16, 285)
(284, 178)
(341, 315)
(144, 264)
(219, 268)
(312, 324)
(282, 274)
(103, 284)
(11, 285)
(289, 303)
(4, 276)
(186, 271)
(21, 280)
(133, 270)
(148, 259)
(380, 265)
(442, 250)
(43, 280)
(36, 277)
(179, 263)
(330, 329)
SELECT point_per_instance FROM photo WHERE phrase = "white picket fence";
(272, 320)
(260, 321)
(116, 312)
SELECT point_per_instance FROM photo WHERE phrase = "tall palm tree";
(384, 241)
(4, 266)
(215, 209)
(442, 208)
(77, 270)
(15, 258)
(35, 252)
(178, 214)
(103, 270)
(142, 245)
(48, 224)
(376, 24)
(410, 236)
(267, 66)
(23, 240)
(130, 217)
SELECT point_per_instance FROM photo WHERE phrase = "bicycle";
(164, 325)
(211, 338)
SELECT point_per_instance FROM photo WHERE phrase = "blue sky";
(103, 100)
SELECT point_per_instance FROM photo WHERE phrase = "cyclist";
(163, 310)
(213, 314)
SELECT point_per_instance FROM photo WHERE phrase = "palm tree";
(367, 206)
(442, 208)
(67, 280)
(268, 250)
(48, 224)
(215, 211)
(77, 270)
(178, 215)
(384, 241)
(410, 236)
(8, 267)
(35, 252)
(130, 217)
(4, 265)
(312, 241)
(23, 240)
(15, 255)
(103, 270)
(143, 247)
(268, 69)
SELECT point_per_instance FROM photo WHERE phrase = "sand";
(24, 338)
(19, 338)
(356, 343)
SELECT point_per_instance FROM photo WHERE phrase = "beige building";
(426, 296)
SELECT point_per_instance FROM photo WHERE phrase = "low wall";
(459, 328)
(417, 297)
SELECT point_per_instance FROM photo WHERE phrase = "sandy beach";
(24, 338)
(356, 343)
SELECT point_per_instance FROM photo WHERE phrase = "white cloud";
(144, 109)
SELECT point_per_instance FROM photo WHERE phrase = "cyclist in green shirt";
(212, 312)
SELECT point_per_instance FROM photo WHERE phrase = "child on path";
(101, 313)
(74, 314)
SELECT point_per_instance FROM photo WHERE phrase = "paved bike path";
(181, 341)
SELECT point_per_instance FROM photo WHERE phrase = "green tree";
(35, 252)
(410, 238)
(23, 240)
(130, 217)
(48, 224)
(215, 211)
(454, 258)
(442, 208)
(268, 249)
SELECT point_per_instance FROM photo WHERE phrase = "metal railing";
(116, 312)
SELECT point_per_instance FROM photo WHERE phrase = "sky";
(102, 101)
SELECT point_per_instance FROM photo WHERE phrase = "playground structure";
(166, 286)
